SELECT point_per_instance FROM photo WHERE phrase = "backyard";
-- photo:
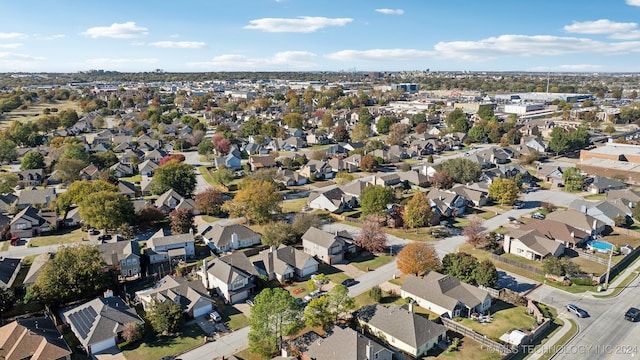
(506, 317)
(157, 347)
(467, 349)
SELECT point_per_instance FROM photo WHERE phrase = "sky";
(320, 35)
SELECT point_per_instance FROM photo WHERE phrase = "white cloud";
(17, 62)
(380, 55)
(10, 46)
(48, 37)
(390, 11)
(286, 60)
(633, 2)
(629, 35)
(125, 30)
(12, 35)
(602, 26)
(568, 68)
(179, 44)
(302, 24)
(524, 45)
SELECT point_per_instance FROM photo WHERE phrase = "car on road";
(349, 282)
(632, 314)
(15, 240)
(577, 311)
(518, 205)
(511, 218)
(215, 316)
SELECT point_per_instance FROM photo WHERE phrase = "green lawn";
(335, 275)
(596, 197)
(25, 265)
(161, 346)
(293, 205)
(233, 318)
(590, 267)
(35, 111)
(206, 176)
(5, 245)
(372, 263)
(209, 218)
(422, 234)
(76, 235)
(506, 317)
(392, 299)
(467, 349)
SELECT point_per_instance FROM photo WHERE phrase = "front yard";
(157, 347)
(335, 275)
(233, 318)
(371, 262)
(66, 237)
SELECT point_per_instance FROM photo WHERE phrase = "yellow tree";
(418, 258)
(418, 212)
(258, 200)
(504, 191)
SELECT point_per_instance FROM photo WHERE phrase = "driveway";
(224, 346)
(514, 282)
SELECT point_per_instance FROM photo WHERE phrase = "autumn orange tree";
(418, 258)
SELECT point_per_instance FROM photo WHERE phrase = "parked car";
(312, 295)
(538, 216)
(93, 232)
(518, 205)
(349, 282)
(215, 316)
(577, 311)
(632, 314)
(104, 237)
(249, 302)
(15, 240)
(511, 218)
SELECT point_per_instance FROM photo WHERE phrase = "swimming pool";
(600, 246)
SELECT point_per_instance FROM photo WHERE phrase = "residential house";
(147, 168)
(190, 295)
(414, 178)
(567, 235)
(261, 162)
(36, 267)
(289, 177)
(386, 155)
(551, 174)
(531, 244)
(333, 200)
(9, 268)
(285, 263)
(72, 218)
(127, 189)
(29, 178)
(231, 276)
(601, 184)
(231, 161)
(535, 143)
(444, 294)
(346, 344)
(223, 238)
(402, 328)
(317, 169)
(448, 203)
(338, 164)
(606, 211)
(330, 248)
(90, 172)
(7, 201)
(354, 188)
(132, 156)
(155, 155)
(628, 194)
(98, 324)
(121, 170)
(171, 200)
(30, 222)
(172, 247)
(385, 179)
(35, 338)
(40, 198)
(579, 220)
(123, 256)
(474, 196)
(495, 155)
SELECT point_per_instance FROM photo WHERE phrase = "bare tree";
(473, 231)
(372, 237)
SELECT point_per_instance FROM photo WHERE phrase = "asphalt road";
(223, 346)
(193, 158)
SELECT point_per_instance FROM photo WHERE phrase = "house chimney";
(234, 241)
(285, 353)
(411, 306)
(369, 350)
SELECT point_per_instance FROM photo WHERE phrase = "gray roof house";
(601, 184)
(172, 247)
(36, 267)
(98, 323)
(9, 268)
(444, 294)
(402, 328)
(224, 238)
(531, 244)
(190, 295)
(123, 256)
(231, 276)
(327, 247)
(346, 344)
(285, 262)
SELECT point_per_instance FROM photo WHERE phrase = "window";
(22, 226)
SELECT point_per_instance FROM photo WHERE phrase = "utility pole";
(606, 282)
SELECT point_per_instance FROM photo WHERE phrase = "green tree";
(75, 151)
(106, 210)
(462, 266)
(375, 293)
(275, 314)
(486, 113)
(258, 200)
(32, 160)
(504, 191)
(461, 125)
(559, 142)
(486, 274)
(174, 175)
(374, 199)
(293, 120)
(277, 233)
(609, 128)
(383, 124)
(573, 179)
(317, 312)
(165, 317)
(8, 151)
(75, 272)
(8, 182)
(69, 169)
(360, 132)
(418, 212)
(340, 303)
(461, 170)
(205, 147)
(369, 163)
(223, 176)
(79, 191)
(552, 265)
(181, 221)
(454, 117)
(477, 133)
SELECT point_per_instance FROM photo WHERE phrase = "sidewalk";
(631, 268)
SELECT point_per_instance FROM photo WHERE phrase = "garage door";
(103, 345)
(202, 310)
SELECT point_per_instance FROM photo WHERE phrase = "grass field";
(161, 346)
(467, 349)
(506, 317)
(293, 205)
(66, 238)
(335, 275)
(33, 112)
(233, 318)
(371, 263)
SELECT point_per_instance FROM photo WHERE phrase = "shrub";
(375, 293)
(582, 281)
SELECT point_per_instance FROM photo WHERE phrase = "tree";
(343, 177)
(462, 266)
(174, 175)
(209, 201)
(74, 273)
(369, 163)
(340, 133)
(573, 179)
(181, 221)
(454, 116)
(559, 142)
(302, 222)
(504, 191)
(442, 180)
(339, 302)
(461, 170)
(7, 299)
(610, 128)
(374, 199)
(417, 212)
(317, 313)
(360, 132)
(530, 158)
(132, 332)
(258, 200)
(172, 157)
(223, 176)
(275, 314)
(477, 133)
(69, 169)
(277, 233)
(473, 231)
(165, 317)
(106, 210)
(32, 160)
(418, 258)
(486, 274)
(8, 151)
(552, 265)
(80, 190)
(372, 237)
(149, 216)
(375, 293)
(397, 133)
(383, 124)
(293, 120)
(8, 182)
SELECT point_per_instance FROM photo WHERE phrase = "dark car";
(104, 237)
(349, 282)
(93, 232)
(577, 311)
(632, 314)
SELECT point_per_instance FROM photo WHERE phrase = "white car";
(312, 295)
(215, 316)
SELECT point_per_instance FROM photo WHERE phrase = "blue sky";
(311, 35)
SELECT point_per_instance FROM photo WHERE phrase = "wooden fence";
(465, 331)
(515, 263)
